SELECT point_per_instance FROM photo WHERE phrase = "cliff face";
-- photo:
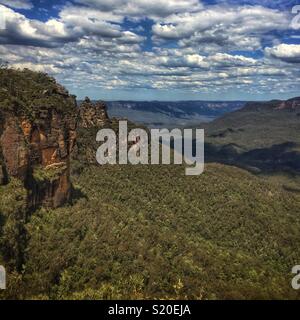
(39, 125)
(37, 136)
(92, 117)
(38, 133)
(50, 141)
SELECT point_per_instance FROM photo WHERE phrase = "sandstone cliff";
(39, 125)
(37, 134)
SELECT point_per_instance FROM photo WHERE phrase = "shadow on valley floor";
(280, 161)
(278, 158)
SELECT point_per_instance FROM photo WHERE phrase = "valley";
(139, 232)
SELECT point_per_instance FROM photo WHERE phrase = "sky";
(158, 49)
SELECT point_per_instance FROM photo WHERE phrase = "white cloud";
(241, 27)
(71, 26)
(285, 52)
(140, 8)
(193, 60)
(23, 31)
(227, 60)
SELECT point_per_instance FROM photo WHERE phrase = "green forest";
(150, 232)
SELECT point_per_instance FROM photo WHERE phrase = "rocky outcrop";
(35, 147)
(3, 175)
(39, 126)
(292, 104)
(92, 117)
(92, 114)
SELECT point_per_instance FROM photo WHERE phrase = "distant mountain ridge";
(290, 104)
(171, 113)
(261, 136)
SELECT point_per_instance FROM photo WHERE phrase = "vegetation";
(24, 93)
(262, 138)
(225, 234)
(12, 225)
(256, 128)
(49, 174)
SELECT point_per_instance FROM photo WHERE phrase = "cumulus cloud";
(191, 46)
(71, 26)
(193, 60)
(231, 26)
(227, 60)
(286, 52)
(144, 8)
(22, 31)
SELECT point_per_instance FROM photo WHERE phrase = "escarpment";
(37, 135)
(39, 125)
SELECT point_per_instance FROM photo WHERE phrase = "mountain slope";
(151, 232)
(264, 136)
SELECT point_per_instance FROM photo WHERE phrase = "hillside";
(258, 125)
(261, 137)
(151, 232)
(141, 232)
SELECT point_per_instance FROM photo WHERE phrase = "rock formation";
(38, 133)
(39, 126)
(92, 114)
(92, 117)
(37, 136)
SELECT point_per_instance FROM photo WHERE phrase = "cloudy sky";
(158, 49)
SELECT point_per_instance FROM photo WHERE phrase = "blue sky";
(158, 50)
